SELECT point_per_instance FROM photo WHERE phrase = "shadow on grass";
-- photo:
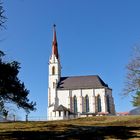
(76, 132)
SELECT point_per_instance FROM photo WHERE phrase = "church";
(75, 96)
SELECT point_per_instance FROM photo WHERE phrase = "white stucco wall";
(101, 93)
(63, 97)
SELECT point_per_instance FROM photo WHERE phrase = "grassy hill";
(100, 127)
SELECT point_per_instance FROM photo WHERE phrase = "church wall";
(50, 113)
(89, 93)
(111, 100)
(77, 93)
(63, 96)
(51, 95)
(101, 93)
(80, 94)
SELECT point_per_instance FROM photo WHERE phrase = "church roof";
(81, 82)
(61, 108)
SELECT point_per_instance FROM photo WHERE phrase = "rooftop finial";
(54, 25)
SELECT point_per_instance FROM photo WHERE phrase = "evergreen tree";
(11, 88)
(136, 99)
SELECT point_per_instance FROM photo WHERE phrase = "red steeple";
(54, 44)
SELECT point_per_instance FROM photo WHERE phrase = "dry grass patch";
(124, 127)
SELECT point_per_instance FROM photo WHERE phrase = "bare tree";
(10, 112)
(132, 84)
(2, 16)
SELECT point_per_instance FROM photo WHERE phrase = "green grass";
(100, 127)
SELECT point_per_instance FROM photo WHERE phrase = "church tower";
(54, 74)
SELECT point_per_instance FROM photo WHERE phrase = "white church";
(75, 96)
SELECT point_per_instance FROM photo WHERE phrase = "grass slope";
(103, 127)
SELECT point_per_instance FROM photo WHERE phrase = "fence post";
(14, 117)
(26, 117)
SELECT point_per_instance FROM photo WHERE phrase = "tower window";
(53, 70)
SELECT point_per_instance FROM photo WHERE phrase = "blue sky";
(95, 37)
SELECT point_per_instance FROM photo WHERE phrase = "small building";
(62, 113)
(75, 96)
(123, 113)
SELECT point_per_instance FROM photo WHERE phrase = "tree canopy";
(136, 99)
(132, 84)
(11, 88)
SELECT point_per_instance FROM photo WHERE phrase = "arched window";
(86, 103)
(108, 103)
(53, 70)
(75, 104)
(99, 103)
(59, 113)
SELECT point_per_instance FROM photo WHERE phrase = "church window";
(99, 103)
(87, 103)
(59, 113)
(108, 103)
(53, 70)
(75, 104)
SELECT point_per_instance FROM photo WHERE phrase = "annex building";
(76, 96)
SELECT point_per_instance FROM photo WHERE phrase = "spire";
(54, 44)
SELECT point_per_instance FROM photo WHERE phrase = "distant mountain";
(135, 111)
